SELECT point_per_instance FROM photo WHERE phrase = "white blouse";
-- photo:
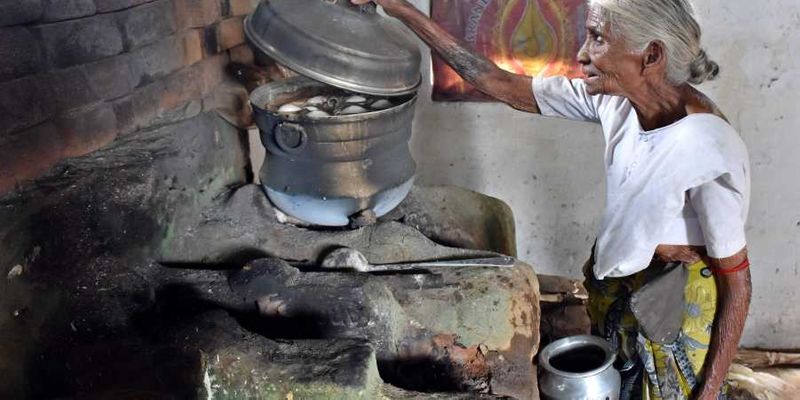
(685, 183)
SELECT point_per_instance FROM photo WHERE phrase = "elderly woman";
(668, 279)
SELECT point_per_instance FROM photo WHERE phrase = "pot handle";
(291, 138)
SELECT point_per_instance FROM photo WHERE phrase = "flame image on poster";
(528, 37)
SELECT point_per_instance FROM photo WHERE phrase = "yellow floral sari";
(651, 370)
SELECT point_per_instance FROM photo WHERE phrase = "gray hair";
(672, 22)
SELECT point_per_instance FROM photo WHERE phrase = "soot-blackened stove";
(152, 271)
(469, 326)
(343, 333)
(146, 271)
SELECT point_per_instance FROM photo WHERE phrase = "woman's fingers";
(683, 253)
(360, 2)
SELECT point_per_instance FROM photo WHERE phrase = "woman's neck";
(658, 105)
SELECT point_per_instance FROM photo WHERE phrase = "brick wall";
(76, 74)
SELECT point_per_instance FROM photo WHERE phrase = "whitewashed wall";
(550, 171)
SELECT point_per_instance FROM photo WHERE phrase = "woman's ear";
(655, 56)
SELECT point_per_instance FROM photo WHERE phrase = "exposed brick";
(114, 5)
(146, 23)
(196, 13)
(59, 10)
(24, 102)
(86, 130)
(181, 87)
(28, 155)
(69, 88)
(19, 53)
(145, 104)
(124, 112)
(80, 41)
(30, 100)
(230, 33)
(224, 35)
(16, 12)
(193, 50)
(169, 97)
(242, 54)
(239, 7)
(157, 60)
(111, 77)
(212, 71)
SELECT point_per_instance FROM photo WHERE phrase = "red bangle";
(725, 271)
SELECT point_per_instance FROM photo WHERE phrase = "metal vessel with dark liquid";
(326, 169)
(578, 368)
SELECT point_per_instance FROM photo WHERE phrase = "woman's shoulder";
(707, 115)
(711, 134)
(705, 127)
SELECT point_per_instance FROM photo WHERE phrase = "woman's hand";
(679, 253)
(390, 6)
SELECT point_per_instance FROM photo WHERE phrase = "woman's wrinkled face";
(610, 67)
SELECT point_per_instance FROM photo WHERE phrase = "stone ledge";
(259, 368)
(461, 218)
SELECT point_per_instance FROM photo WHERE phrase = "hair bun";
(703, 69)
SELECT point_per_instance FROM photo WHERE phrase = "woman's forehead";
(595, 19)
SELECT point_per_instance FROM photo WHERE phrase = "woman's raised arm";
(512, 89)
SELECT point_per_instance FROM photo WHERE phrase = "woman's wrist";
(393, 7)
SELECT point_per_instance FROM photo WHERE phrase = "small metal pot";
(578, 368)
(324, 170)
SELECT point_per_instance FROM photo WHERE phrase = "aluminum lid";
(338, 43)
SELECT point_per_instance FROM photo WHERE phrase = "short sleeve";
(721, 210)
(558, 96)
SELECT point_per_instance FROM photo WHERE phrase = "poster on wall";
(528, 37)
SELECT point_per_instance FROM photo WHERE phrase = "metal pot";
(324, 170)
(578, 367)
(333, 41)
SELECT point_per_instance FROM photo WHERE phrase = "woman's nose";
(583, 54)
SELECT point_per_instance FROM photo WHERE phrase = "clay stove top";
(149, 271)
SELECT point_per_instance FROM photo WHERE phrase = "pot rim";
(256, 97)
(571, 342)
